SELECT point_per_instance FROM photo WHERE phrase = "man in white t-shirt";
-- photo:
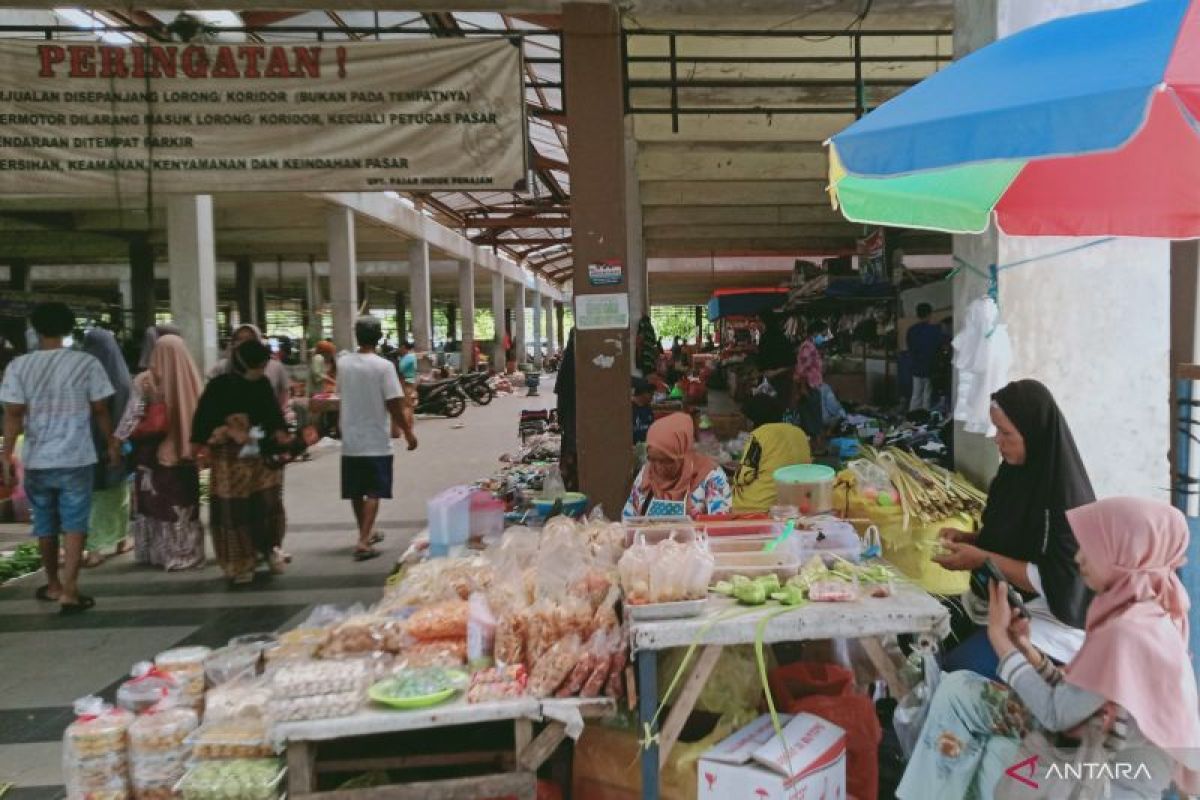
(52, 396)
(372, 406)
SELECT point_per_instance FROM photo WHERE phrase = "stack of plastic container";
(318, 689)
(159, 750)
(95, 752)
(186, 666)
(449, 520)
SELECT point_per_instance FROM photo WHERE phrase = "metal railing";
(856, 85)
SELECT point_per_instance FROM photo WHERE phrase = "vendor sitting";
(773, 444)
(677, 481)
(1025, 530)
(643, 414)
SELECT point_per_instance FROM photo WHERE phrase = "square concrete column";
(314, 329)
(518, 334)
(551, 339)
(1093, 326)
(343, 275)
(466, 303)
(418, 289)
(191, 252)
(498, 361)
(125, 290)
(537, 328)
(593, 76)
(246, 290)
(637, 273)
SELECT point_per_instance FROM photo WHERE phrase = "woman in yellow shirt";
(773, 444)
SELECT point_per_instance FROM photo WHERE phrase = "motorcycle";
(444, 398)
(478, 388)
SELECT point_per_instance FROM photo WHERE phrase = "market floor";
(47, 661)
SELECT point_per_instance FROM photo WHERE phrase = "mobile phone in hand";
(990, 572)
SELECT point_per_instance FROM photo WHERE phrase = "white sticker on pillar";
(597, 312)
(604, 362)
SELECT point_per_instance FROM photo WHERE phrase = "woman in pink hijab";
(1120, 720)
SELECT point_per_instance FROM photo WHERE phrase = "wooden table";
(908, 610)
(556, 719)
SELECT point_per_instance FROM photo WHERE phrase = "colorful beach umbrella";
(1085, 125)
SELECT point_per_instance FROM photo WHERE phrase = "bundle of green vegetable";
(878, 578)
(23, 560)
(756, 591)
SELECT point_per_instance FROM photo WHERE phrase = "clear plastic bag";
(95, 753)
(146, 688)
(242, 737)
(246, 698)
(481, 631)
(444, 620)
(231, 662)
(634, 572)
(554, 666)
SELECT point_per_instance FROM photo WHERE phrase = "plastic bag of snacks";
(299, 644)
(595, 653)
(363, 633)
(315, 706)
(236, 779)
(95, 755)
(240, 737)
(554, 667)
(246, 698)
(614, 687)
(443, 620)
(497, 683)
(186, 666)
(319, 677)
(634, 572)
(435, 653)
(159, 751)
(481, 632)
(147, 688)
(510, 638)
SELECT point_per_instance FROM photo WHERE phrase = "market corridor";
(46, 661)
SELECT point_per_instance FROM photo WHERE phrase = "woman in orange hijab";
(677, 480)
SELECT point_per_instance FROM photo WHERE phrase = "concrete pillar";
(18, 275)
(637, 273)
(314, 330)
(451, 322)
(699, 325)
(191, 252)
(343, 274)
(245, 291)
(518, 334)
(559, 315)
(141, 275)
(125, 291)
(593, 76)
(418, 287)
(537, 329)
(1070, 339)
(551, 339)
(498, 361)
(466, 301)
(401, 313)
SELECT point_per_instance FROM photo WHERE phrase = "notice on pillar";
(123, 121)
(597, 312)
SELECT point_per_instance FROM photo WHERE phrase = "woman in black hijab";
(1025, 531)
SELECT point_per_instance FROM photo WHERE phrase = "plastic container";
(487, 517)
(186, 665)
(808, 487)
(232, 738)
(235, 779)
(260, 640)
(573, 504)
(738, 528)
(148, 688)
(95, 761)
(160, 732)
(657, 529)
(783, 562)
(753, 544)
(232, 662)
(449, 520)
(830, 538)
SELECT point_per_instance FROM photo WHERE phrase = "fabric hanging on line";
(982, 357)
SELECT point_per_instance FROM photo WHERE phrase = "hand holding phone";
(990, 572)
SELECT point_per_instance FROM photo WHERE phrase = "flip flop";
(70, 609)
(43, 594)
(376, 538)
(366, 555)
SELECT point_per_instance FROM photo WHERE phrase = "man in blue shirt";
(407, 363)
(643, 414)
(924, 341)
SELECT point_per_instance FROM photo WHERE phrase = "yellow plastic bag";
(909, 549)
(733, 687)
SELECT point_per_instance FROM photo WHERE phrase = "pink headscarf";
(1135, 652)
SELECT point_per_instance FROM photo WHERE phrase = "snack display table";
(909, 609)
(558, 719)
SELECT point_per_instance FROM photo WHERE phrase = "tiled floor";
(47, 661)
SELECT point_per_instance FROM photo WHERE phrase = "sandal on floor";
(376, 538)
(93, 560)
(366, 555)
(43, 594)
(70, 609)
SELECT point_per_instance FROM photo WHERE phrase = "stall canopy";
(1085, 125)
(744, 302)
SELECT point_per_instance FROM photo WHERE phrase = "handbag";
(153, 423)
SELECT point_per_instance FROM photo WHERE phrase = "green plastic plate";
(379, 694)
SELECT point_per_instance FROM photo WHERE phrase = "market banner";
(99, 119)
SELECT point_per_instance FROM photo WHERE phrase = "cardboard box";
(808, 763)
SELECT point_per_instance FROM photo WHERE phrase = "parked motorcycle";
(477, 388)
(444, 398)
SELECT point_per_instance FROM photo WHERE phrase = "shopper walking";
(276, 372)
(53, 395)
(108, 527)
(372, 406)
(245, 491)
(167, 531)
(150, 337)
(924, 340)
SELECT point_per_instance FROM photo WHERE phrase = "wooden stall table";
(558, 720)
(908, 610)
